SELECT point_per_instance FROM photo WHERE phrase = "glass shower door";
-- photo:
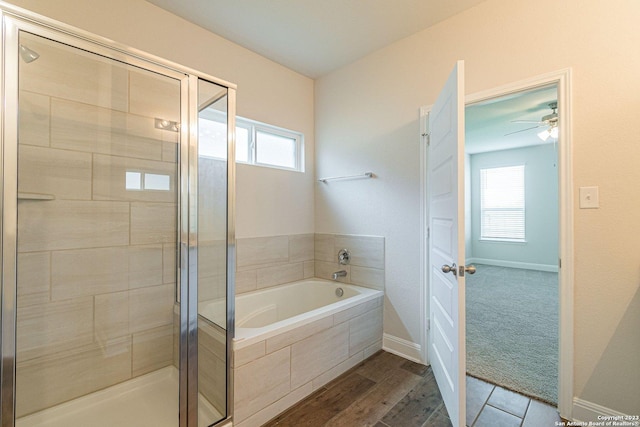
(98, 322)
(213, 249)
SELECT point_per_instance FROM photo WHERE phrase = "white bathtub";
(292, 339)
(272, 311)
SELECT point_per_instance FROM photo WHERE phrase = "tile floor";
(493, 406)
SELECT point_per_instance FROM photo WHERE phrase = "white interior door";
(446, 245)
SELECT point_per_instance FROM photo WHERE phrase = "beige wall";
(267, 92)
(366, 119)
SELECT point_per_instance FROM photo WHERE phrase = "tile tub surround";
(263, 262)
(274, 373)
(96, 264)
(274, 260)
(366, 267)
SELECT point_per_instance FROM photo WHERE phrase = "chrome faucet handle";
(344, 257)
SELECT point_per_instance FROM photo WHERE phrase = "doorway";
(561, 79)
(511, 237)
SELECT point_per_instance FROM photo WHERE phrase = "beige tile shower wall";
(269, 261)
(96, 263)
(367, 264)
(273, 374)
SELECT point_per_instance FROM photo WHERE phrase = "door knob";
(471, 269)
(450, 269)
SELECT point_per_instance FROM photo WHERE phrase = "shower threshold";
(150, 400)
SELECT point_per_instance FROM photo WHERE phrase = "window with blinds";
(502, 204)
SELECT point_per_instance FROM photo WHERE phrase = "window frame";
(483, 233)
(253, 127)
(284, 133)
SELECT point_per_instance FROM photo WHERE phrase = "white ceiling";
(314, 37)
(488, 122)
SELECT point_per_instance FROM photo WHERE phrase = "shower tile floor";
(389, 391)
(147, 401)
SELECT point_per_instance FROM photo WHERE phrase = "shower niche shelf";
(36, 196)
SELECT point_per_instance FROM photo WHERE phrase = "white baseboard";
(514, 264)
(403, 348)
(584, 411)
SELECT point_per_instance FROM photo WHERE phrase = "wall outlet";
(589, 198)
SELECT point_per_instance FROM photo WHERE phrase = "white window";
(275, 147)
(140, 181)
(256, 143)
(502, 204)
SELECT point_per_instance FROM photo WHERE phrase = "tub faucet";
(341, 273)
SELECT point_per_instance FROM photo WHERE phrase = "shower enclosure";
(117, 218)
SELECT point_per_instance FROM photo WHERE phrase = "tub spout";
(341, 273)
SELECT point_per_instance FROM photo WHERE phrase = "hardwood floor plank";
(372, 406)
(319, 408)
(417, 406)
(380, 365)
(439, 419)
(415, 368)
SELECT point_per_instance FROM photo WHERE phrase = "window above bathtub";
(257, 143)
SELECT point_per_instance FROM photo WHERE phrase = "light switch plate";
(589, 198)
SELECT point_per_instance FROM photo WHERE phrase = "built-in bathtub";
(294, 338)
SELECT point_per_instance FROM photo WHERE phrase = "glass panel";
(242, 144)
(97, 232)
(212, 128)
(212, 252)
(275, 150)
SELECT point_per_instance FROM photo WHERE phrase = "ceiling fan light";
(544, 135)
(554, 132)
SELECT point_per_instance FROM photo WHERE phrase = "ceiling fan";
(550, 121)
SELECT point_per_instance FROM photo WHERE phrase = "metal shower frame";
(15, 20)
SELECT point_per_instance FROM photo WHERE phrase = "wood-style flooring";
(389, 391)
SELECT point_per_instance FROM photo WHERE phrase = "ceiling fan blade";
(527, 121)
(522, 130)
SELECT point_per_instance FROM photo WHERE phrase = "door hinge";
(428, 232)
(428, 325)
(559, 262)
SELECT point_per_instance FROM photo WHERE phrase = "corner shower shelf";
(35, 196)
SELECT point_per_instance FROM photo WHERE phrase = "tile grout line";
(484, 405)
(526, 412)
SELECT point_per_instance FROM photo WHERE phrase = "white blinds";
(502, 203)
